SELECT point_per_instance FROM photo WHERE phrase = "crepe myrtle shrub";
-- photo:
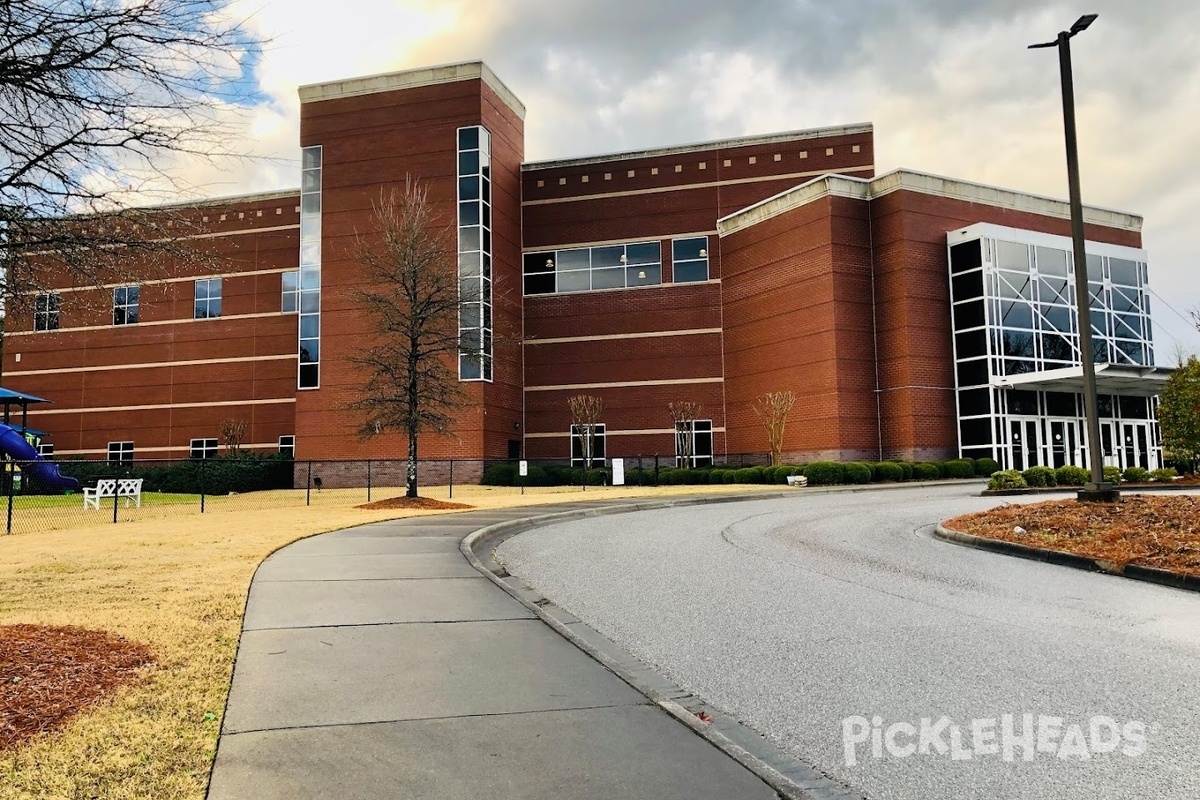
(1136, 475)
(1040, 477)
(959, 468)
(825, 473)
(1007, 479)
(887, 472)
(1069, 475)
(1164, 475)
(984, 467)
(925, 471)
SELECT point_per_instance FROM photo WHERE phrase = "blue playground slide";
(13, 445)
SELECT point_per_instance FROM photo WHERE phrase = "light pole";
(1097, 489)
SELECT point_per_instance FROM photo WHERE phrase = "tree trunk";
(410, 479)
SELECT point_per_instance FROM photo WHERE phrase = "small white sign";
(523, 469)
(618, 470)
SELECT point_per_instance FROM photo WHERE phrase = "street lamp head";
(1083, 23)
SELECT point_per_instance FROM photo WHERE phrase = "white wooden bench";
(113, 487)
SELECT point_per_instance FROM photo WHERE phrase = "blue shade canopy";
(10, 396)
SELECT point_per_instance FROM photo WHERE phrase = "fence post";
(202, 486)
(452, 479)
(656, 469)
(9, 474)
(368, 480)
(115, 493)
(308, 486)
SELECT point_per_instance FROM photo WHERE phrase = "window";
(290, 302)
(578, 443)
(287, 446)
(46, 450)
(45, 311)
(204, 448)
(125, 305)
(475, 254)
(689, 259)
(307, 280)
(586, 269)
(120, 452)
(695, 438)
(208, 298)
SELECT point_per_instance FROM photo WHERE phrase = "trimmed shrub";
(887, 471)
(825, 473)
(1040, 477)
(1164, 475)
(499, 475)
(1136, 475)
(748, 475)
(1008, 479)
(959, 468)
(598, 476)
(984, 467)
(1071, 476)
(926, 471)
(906, 468)
(856, 473)
(729, 476)
(1112, 475)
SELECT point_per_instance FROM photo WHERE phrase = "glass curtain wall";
(475, 254)
(310, 269)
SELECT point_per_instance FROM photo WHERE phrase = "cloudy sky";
(948, 84)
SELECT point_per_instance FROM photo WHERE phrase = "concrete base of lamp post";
(1099, 493)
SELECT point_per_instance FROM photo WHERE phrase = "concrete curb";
(1162, 577)
(789, 778)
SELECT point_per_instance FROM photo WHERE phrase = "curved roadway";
(794, 615)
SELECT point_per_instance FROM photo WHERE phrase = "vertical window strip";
(306, 296)
(474, 254)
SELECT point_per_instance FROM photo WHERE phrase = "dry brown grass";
(177, 585)
(1162, 532)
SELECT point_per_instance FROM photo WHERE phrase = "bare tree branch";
(586, 412)
(684, 413)
(773, 409)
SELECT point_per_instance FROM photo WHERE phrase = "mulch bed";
(1162, 532)
(48, 675)
(419, 503)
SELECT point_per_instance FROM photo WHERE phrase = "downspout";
(874, 324)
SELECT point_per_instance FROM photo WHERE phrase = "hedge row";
(246, 472)
(1045, 477)
(820, 473)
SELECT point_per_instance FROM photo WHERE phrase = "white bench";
(113, 487)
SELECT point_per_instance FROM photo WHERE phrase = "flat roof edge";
(741, 141)
(411, 79)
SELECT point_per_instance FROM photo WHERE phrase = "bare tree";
(233, 433)
(586, 412)
(1195, 315)
(412, 295)
(96, 99)
(684, 414)
(773, 409)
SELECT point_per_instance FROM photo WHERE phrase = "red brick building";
(709, 273)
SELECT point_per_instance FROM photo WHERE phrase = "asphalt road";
(794, 615)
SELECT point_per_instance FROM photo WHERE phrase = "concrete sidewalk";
(377, 663)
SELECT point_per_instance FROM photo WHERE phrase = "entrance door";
(1064, 442)
(1024, 443)
(1135, 445)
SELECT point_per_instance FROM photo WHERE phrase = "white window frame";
(292, 295)
(598, 442)
(207, 448)
(676, 261)
(46, 308)
(127, 307)
(120, 452)
(287, 444)
(207, 301)
(46, 450)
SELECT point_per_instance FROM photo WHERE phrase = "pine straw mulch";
(415, 503)
(48, 675)
(1162, 532)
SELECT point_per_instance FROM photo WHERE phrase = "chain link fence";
(121, 491)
